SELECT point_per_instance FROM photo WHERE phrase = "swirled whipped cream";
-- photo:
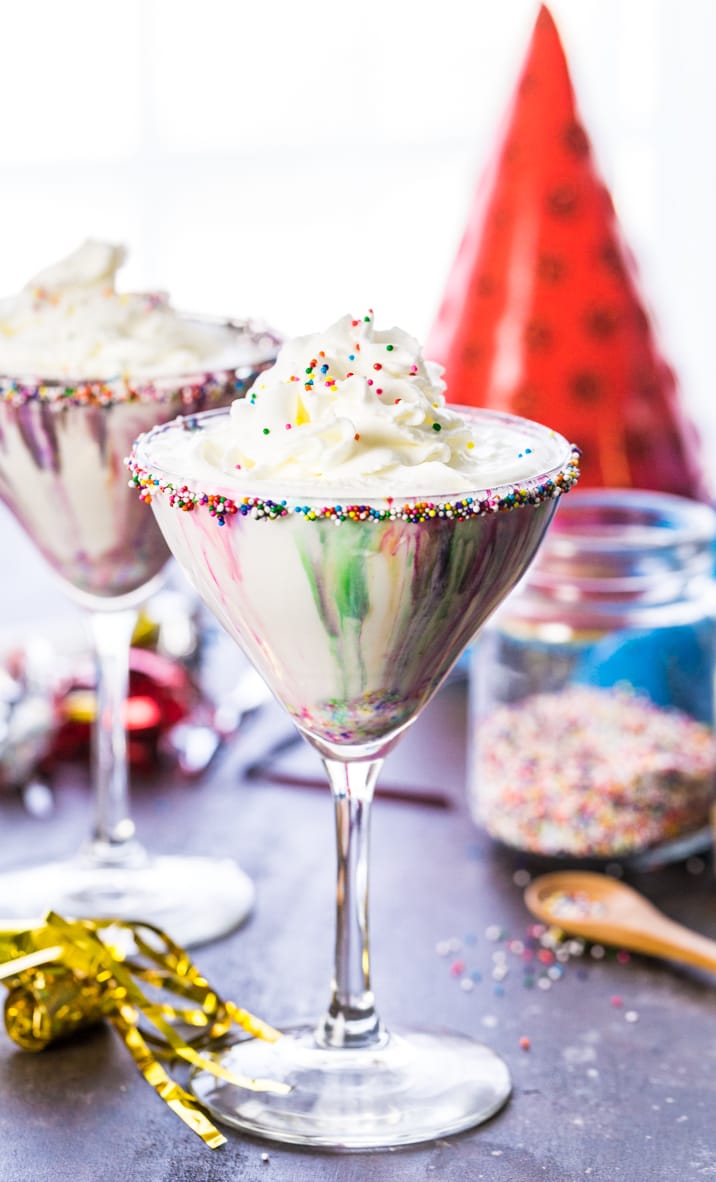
(70, 322)
(359, 410)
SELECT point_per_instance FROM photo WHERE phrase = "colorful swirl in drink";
(84, 369)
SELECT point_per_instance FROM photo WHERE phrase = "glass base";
(416, 1085)
(192, 899)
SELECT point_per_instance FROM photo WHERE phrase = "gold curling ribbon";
(66, 975)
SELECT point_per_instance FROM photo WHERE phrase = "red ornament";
(161, 694)
(542, 315)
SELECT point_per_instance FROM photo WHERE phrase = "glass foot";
(417, 1085)
(192, 899)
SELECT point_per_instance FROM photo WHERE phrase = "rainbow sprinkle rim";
(223, 508)
(192, 387)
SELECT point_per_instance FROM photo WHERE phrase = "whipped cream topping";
(70, 322)
(359, 410)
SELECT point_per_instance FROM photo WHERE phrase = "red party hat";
(542, 315)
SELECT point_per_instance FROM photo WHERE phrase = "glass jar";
(592, 690)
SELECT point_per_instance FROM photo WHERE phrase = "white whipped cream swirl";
(359, 409)
(70, 322)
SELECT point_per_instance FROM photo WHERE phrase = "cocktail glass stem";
(351, 1083)
(113, 836)
(351, 1019)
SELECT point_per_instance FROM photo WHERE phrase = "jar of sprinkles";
(592, 690)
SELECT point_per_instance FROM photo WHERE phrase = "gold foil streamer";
(65, 975)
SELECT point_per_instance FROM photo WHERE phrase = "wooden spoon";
(601, 909)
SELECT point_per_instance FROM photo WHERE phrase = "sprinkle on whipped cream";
(352, 403)
(361, 413)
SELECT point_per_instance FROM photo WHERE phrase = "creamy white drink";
(368, 528)
(84, 368)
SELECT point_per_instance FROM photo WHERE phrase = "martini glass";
(63, 446)
(354, 615)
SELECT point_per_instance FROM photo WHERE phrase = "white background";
(296, 159)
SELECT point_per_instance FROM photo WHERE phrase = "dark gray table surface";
(596, 1096)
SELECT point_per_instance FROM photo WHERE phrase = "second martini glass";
(63, 446)
(354, 614)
